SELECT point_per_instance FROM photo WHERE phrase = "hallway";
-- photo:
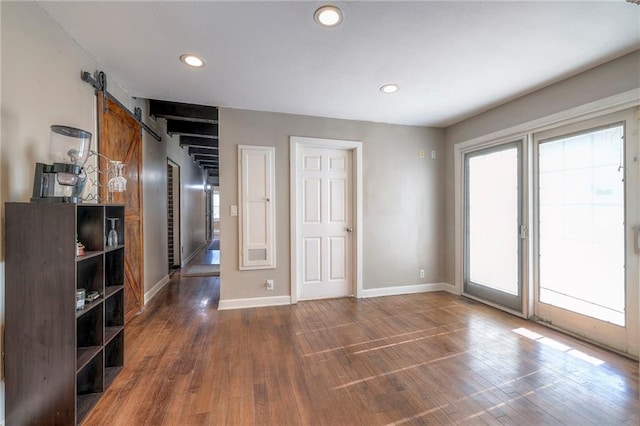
(426, 358)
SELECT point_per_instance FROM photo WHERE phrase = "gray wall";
(403, 198)
(612, 78)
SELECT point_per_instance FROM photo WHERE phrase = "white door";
(324, 214)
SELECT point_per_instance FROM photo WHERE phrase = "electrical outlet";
(434, 155)
(421, 154)
(421, 273)
(269, 285)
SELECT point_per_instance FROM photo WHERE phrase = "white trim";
(608, 105)
(192, 255)
(493, 305)
(245, 175)
(254, 302)
(356, 148)
(405, 289)
(156, 288)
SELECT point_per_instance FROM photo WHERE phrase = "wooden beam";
(206, 158)
(185, 112)
(198, 141)
(203, 150)
(192, 128)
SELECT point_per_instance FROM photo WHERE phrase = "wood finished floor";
(416, 359)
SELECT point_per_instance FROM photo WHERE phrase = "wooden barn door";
(120, 138)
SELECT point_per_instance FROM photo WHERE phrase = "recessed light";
(328, 16)
(389, 88)
(192, 60)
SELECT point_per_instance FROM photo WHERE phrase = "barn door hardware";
(100, 84)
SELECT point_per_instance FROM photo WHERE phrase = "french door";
(494, 229)
(578, 268)
(586, 221)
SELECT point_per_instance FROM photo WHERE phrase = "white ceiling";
(451, 59)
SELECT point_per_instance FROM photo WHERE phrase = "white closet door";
(257, 207)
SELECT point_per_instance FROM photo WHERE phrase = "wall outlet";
(421, 154)
(234, 211)
(421, 273)
(434, 155)
(269, 285)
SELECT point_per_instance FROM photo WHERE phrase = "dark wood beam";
(192, 128)
(185, 112)
(206, 158)
(198, 141)
(203, 150)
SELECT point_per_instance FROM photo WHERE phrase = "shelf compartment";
(89, 274)
(110, 333)
(114, 350)
(90, 227)
(85, 355)
(112, 289)
(89, 328)
(85, 403)
(90, 379)
(114, 310)
(114, 211)
(118, 247)
(88, 307)
(88, 255)
(114, 267)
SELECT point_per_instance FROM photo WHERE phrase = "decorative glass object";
(112, 238)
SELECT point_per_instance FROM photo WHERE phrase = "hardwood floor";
(417, 359)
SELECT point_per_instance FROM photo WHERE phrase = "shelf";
(85, 404)
(85, 355)
(88, 306)
(88, 255)
(118, 247)
(110, 374)
(111, 290)
(110, 333)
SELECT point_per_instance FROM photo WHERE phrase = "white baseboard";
(156, 288)
(404, 289)
(450, 288)
(255, 302)
(192, 255)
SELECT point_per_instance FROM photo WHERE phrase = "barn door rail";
(100, 84)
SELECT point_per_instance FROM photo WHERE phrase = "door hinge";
(524, 232)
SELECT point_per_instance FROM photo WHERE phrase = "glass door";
(493, 235)
(586, 216)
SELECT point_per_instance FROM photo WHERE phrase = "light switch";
(234, 210)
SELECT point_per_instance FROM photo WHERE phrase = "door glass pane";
(581, 202)
(493, 215)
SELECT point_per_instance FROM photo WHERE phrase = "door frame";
(295, 143)
(177, 213)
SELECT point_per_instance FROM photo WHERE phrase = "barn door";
(120, 138)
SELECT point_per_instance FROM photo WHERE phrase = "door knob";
(349, 229)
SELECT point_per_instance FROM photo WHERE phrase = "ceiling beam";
(203, 150)
(192, 128)
(198, 141)
(206, 158)
(181, 111)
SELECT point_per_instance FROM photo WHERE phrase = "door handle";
(349, 229)
(636, 232)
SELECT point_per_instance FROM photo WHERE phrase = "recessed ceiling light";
(328, 16)
(389, 88)
(192, 60)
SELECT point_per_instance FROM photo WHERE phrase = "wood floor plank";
(416, 359)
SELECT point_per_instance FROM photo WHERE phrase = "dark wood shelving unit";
(67, 357)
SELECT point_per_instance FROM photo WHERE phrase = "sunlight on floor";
(557, 345)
